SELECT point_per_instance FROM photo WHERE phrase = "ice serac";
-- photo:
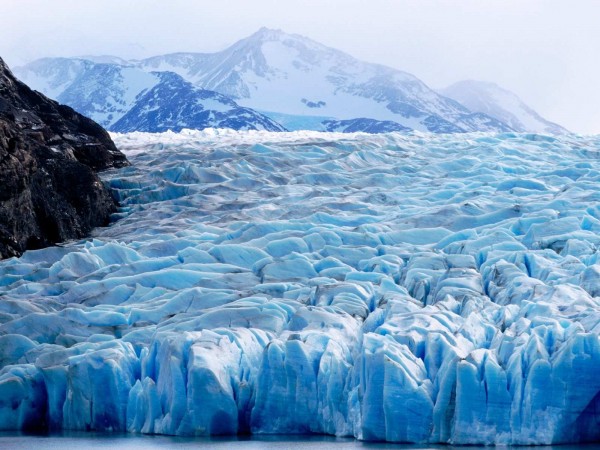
(399, 287)
(49, 156)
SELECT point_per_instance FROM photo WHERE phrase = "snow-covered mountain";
(272, 72)
(52, 76)
(291, 79)
(507, 107)
(174, 104)
(126, 98)
(291, 74)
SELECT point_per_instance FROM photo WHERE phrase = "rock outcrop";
(49, 156)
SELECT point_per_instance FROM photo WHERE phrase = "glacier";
(397, 287)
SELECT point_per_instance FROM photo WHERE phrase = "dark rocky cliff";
(49, 155)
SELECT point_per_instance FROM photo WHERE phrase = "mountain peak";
(491, 99)
(265, 34)
(269, 32)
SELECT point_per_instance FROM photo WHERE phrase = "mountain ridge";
(167, 106)
(290, 75)
(108, 92)
(491, 99)
(270, 65)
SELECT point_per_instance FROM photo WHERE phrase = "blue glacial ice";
(407, 288)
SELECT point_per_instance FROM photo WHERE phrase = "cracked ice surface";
(419, 288)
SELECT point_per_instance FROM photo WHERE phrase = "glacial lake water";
(91, 441)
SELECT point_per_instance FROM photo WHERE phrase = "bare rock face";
(49, 156)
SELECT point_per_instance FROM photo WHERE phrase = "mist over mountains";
(272, 81)
(491, 99)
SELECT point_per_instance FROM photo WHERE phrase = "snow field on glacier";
(407, 288)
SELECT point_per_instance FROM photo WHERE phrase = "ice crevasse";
(405, 288)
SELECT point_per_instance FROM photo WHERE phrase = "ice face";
(407, 288)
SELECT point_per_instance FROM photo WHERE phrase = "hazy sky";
(546, 51)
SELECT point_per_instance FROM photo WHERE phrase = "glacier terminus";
(395, 287)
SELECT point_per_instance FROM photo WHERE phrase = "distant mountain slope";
(174, 104)
(285, 74)
(505, 106)
(106, 92)
(291, 74)
(127, 98)
(51, 76)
